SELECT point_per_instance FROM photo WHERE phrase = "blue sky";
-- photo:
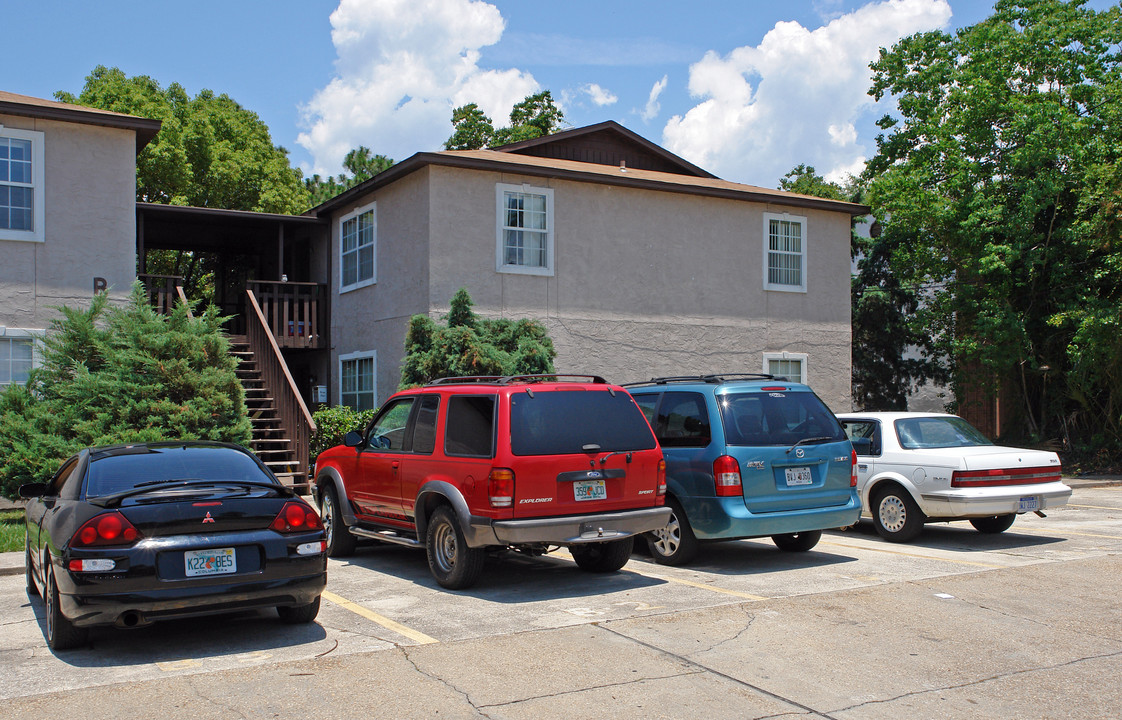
(744, 88)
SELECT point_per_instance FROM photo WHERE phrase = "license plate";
(590, 490)
(220, 561)
(1029, 504)
(798, 476)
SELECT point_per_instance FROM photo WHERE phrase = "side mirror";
(32, 490)
(352, 439)
(863, 446)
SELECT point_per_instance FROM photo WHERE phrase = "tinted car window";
(648, 403)
(683, 420)
(777, 418)
(116, 473)
(863, 430)
(64, 480)
(424, 434)
(565, 422)
(388, 430)
(469, 430)
(937, 432)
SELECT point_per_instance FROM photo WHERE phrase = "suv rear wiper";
(809, 440)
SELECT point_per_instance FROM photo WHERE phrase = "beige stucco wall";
(375, 317)
(90, 223)
(646, 283)
(651, 283)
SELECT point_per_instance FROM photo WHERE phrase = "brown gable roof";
(502, 161)
(26, 106)
(606, 143)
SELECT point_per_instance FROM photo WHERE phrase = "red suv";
(464, 465)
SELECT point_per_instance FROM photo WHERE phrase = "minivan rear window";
(777, 418)
(565, 422)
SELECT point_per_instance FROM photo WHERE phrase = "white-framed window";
(358, 380)
(21, 185)
(524, 224)
(358, 248)
(17, 356)
(784, 252)
(786, 364)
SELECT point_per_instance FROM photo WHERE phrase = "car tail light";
(111, 528)
(1015, 476)
(296, 517)
(500, 487)
(726, 472)
(93, 565)
(853, 468)
(661, 476)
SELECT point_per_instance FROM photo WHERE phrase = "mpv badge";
(799, 452)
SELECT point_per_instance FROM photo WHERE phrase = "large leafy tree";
(362, 165)
(1000, 174)
(120, 374)
(536, 116)
(470, 345)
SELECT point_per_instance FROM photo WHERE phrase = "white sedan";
(914, 468)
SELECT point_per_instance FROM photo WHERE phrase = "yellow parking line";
(1095, 507)
(916, 555)
(385, 622)
(654, 576)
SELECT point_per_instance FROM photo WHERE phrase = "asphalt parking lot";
(1027, 624)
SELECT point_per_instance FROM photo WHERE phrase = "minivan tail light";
(296, 517)
(500, 487)
(661, 476)
(726, 473)
(111, 528)
(853, 468)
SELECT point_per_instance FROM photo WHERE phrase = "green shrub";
(332, 423)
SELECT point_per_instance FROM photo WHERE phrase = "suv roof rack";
(715, 379)
(511, 379)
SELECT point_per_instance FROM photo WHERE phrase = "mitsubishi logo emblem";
(208, 518)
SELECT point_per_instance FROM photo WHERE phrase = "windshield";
(155, 466)
(777, 418)
(564, 422)
(938, 432)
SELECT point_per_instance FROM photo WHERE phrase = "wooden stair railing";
(295, 420)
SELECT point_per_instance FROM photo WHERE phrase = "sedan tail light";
(726, 473)
(111, 528)
(500, 487)
(1015, 476)
(853, 468)
(296, 517)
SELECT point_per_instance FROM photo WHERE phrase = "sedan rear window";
(117, 473)
(938, 432)
(566, 422)
(777, 418)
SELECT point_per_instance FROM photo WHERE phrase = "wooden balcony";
(294, 312)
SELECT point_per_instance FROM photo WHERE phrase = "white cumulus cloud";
(402, 66)
(600, 96)
(795, 97)
(650, 111)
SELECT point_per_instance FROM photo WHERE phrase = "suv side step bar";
(386, 536)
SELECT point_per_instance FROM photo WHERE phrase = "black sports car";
(130, 534)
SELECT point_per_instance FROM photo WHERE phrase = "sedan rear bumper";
(138, 608)
(986, 502)
(568, 530)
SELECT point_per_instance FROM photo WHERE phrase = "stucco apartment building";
(638, 262)
(67, 214)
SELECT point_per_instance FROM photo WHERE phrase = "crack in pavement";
(980, 681)
(604, 686)
(464, 694)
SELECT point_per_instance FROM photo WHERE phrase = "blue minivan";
(747, 456)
